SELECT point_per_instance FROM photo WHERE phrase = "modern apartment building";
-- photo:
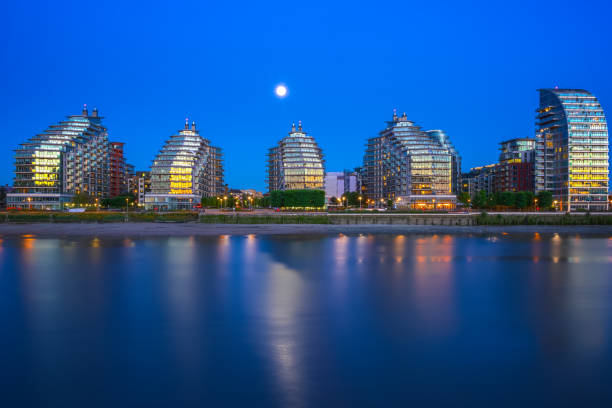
(515, 170)
(118, 170)
(139, 184)
(479, 179)
(572, 149)
(411, 167)
(186, 169)
(296, 163)
(68, 158)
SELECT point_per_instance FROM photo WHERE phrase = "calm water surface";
(381, 320)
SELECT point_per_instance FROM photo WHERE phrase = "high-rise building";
(411, 167)
(186, 169)
(69, 158)
(296, 163)
(572, 149)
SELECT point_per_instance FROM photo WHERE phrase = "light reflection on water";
(302, 320)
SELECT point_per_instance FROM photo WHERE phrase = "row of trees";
(115, 202)
(350, 199)
(229, 201)
(520, 200)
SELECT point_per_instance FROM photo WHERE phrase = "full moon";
(281, 91)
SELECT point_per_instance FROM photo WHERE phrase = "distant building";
(186, 169)
(515, 170)
(296, 163)
(69, 158)
(572, 149)
(479, 179)
(118, 170)
(139, 185)
(338, 183)
(252, 192)
(411, 167)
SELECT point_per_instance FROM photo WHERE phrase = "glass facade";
(186, 169)
(411, 167)
(296, 163)
(572, 150)
(68, 158)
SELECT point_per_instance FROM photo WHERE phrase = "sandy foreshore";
(197, 229)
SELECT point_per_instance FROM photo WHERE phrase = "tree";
(522, 200)
(352, 198)
(508, 198)
(464, 198)
(2, 197)
(545, 199)
(118, 201)
(82, 198)
(480, 200)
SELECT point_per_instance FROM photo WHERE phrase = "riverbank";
(321, 218)
(134, 230)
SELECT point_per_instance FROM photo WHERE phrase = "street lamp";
(344, 201)
(360, 202)
(29, 203)
(224, 201)
(126, 206)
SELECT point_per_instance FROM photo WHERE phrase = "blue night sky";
(469, 67)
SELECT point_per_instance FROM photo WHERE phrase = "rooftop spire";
(394, 114)
(95, 113)
(85, 113)
(186, 123)
(293, 127)
(299, 125)
(193, 125)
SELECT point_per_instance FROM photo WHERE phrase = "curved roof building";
(572, 149)
(296, 163)
(186, 169)
(412, 167)
(68, 158)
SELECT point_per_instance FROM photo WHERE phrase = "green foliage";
(2, 197)
(464, 198)
(480, 200)
(351, 199)
(119, 201)
(297, 198)
(82, 198)
(508, 198)
(545, 199)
